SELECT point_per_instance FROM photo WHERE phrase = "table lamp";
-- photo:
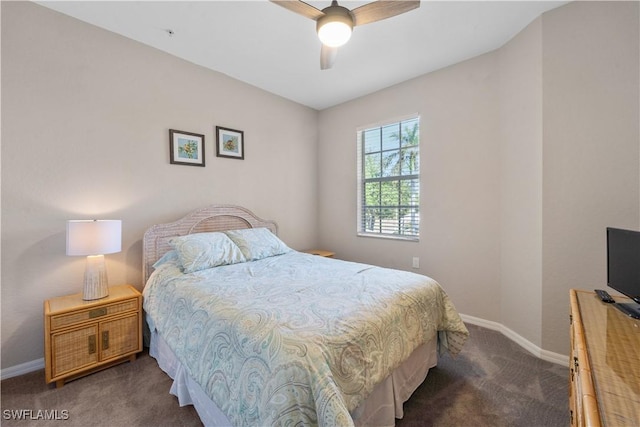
(94, 238)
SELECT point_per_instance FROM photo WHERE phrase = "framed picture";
(186, 148)
(229, 143)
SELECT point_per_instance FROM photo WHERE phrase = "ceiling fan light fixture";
(334, 28)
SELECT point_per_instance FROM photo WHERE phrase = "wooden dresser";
(604, 387)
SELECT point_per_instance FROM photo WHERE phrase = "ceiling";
(272, 48)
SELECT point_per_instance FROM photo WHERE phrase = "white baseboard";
(549, 356)
(560, 359)
(23, 368)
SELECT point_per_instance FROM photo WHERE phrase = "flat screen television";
(623, 267)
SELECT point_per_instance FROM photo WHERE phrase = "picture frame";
(186, 148)
(229, 143)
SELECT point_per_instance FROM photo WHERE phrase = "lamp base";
(96, 285)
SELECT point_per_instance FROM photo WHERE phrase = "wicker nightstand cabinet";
(320, 252)
(82, 337)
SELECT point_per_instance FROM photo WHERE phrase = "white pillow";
(257, 243)
(205, 250)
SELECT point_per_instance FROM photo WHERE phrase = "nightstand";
(320, 252)
(82, 337)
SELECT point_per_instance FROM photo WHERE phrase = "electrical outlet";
(416, 262)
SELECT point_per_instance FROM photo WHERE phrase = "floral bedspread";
(296, 339)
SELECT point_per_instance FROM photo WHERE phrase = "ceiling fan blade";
(327, 57)
(382, 9)
(300, 8)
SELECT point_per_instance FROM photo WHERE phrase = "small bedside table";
(82, 337)
(320, 252)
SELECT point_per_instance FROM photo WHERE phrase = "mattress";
(296, 338)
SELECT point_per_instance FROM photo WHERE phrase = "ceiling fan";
(335, 23)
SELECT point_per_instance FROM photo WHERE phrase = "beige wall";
(460, 186)
(520, 105)
(528, 153)
(85, 119)
(590, 147)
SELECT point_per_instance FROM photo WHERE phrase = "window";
(389, 179)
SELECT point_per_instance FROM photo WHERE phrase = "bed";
(255, 333)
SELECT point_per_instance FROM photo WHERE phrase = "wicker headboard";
(155, 242)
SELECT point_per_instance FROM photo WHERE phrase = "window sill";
(390, 237)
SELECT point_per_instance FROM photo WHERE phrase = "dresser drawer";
(60, 321)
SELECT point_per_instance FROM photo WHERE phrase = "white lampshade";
(94, 238)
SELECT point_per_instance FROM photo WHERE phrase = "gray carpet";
(493, 382)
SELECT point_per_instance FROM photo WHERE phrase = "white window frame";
(361, 178)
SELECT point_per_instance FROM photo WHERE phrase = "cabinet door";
(119, 336)
(74, 349)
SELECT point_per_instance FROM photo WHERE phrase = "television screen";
(623, 262)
